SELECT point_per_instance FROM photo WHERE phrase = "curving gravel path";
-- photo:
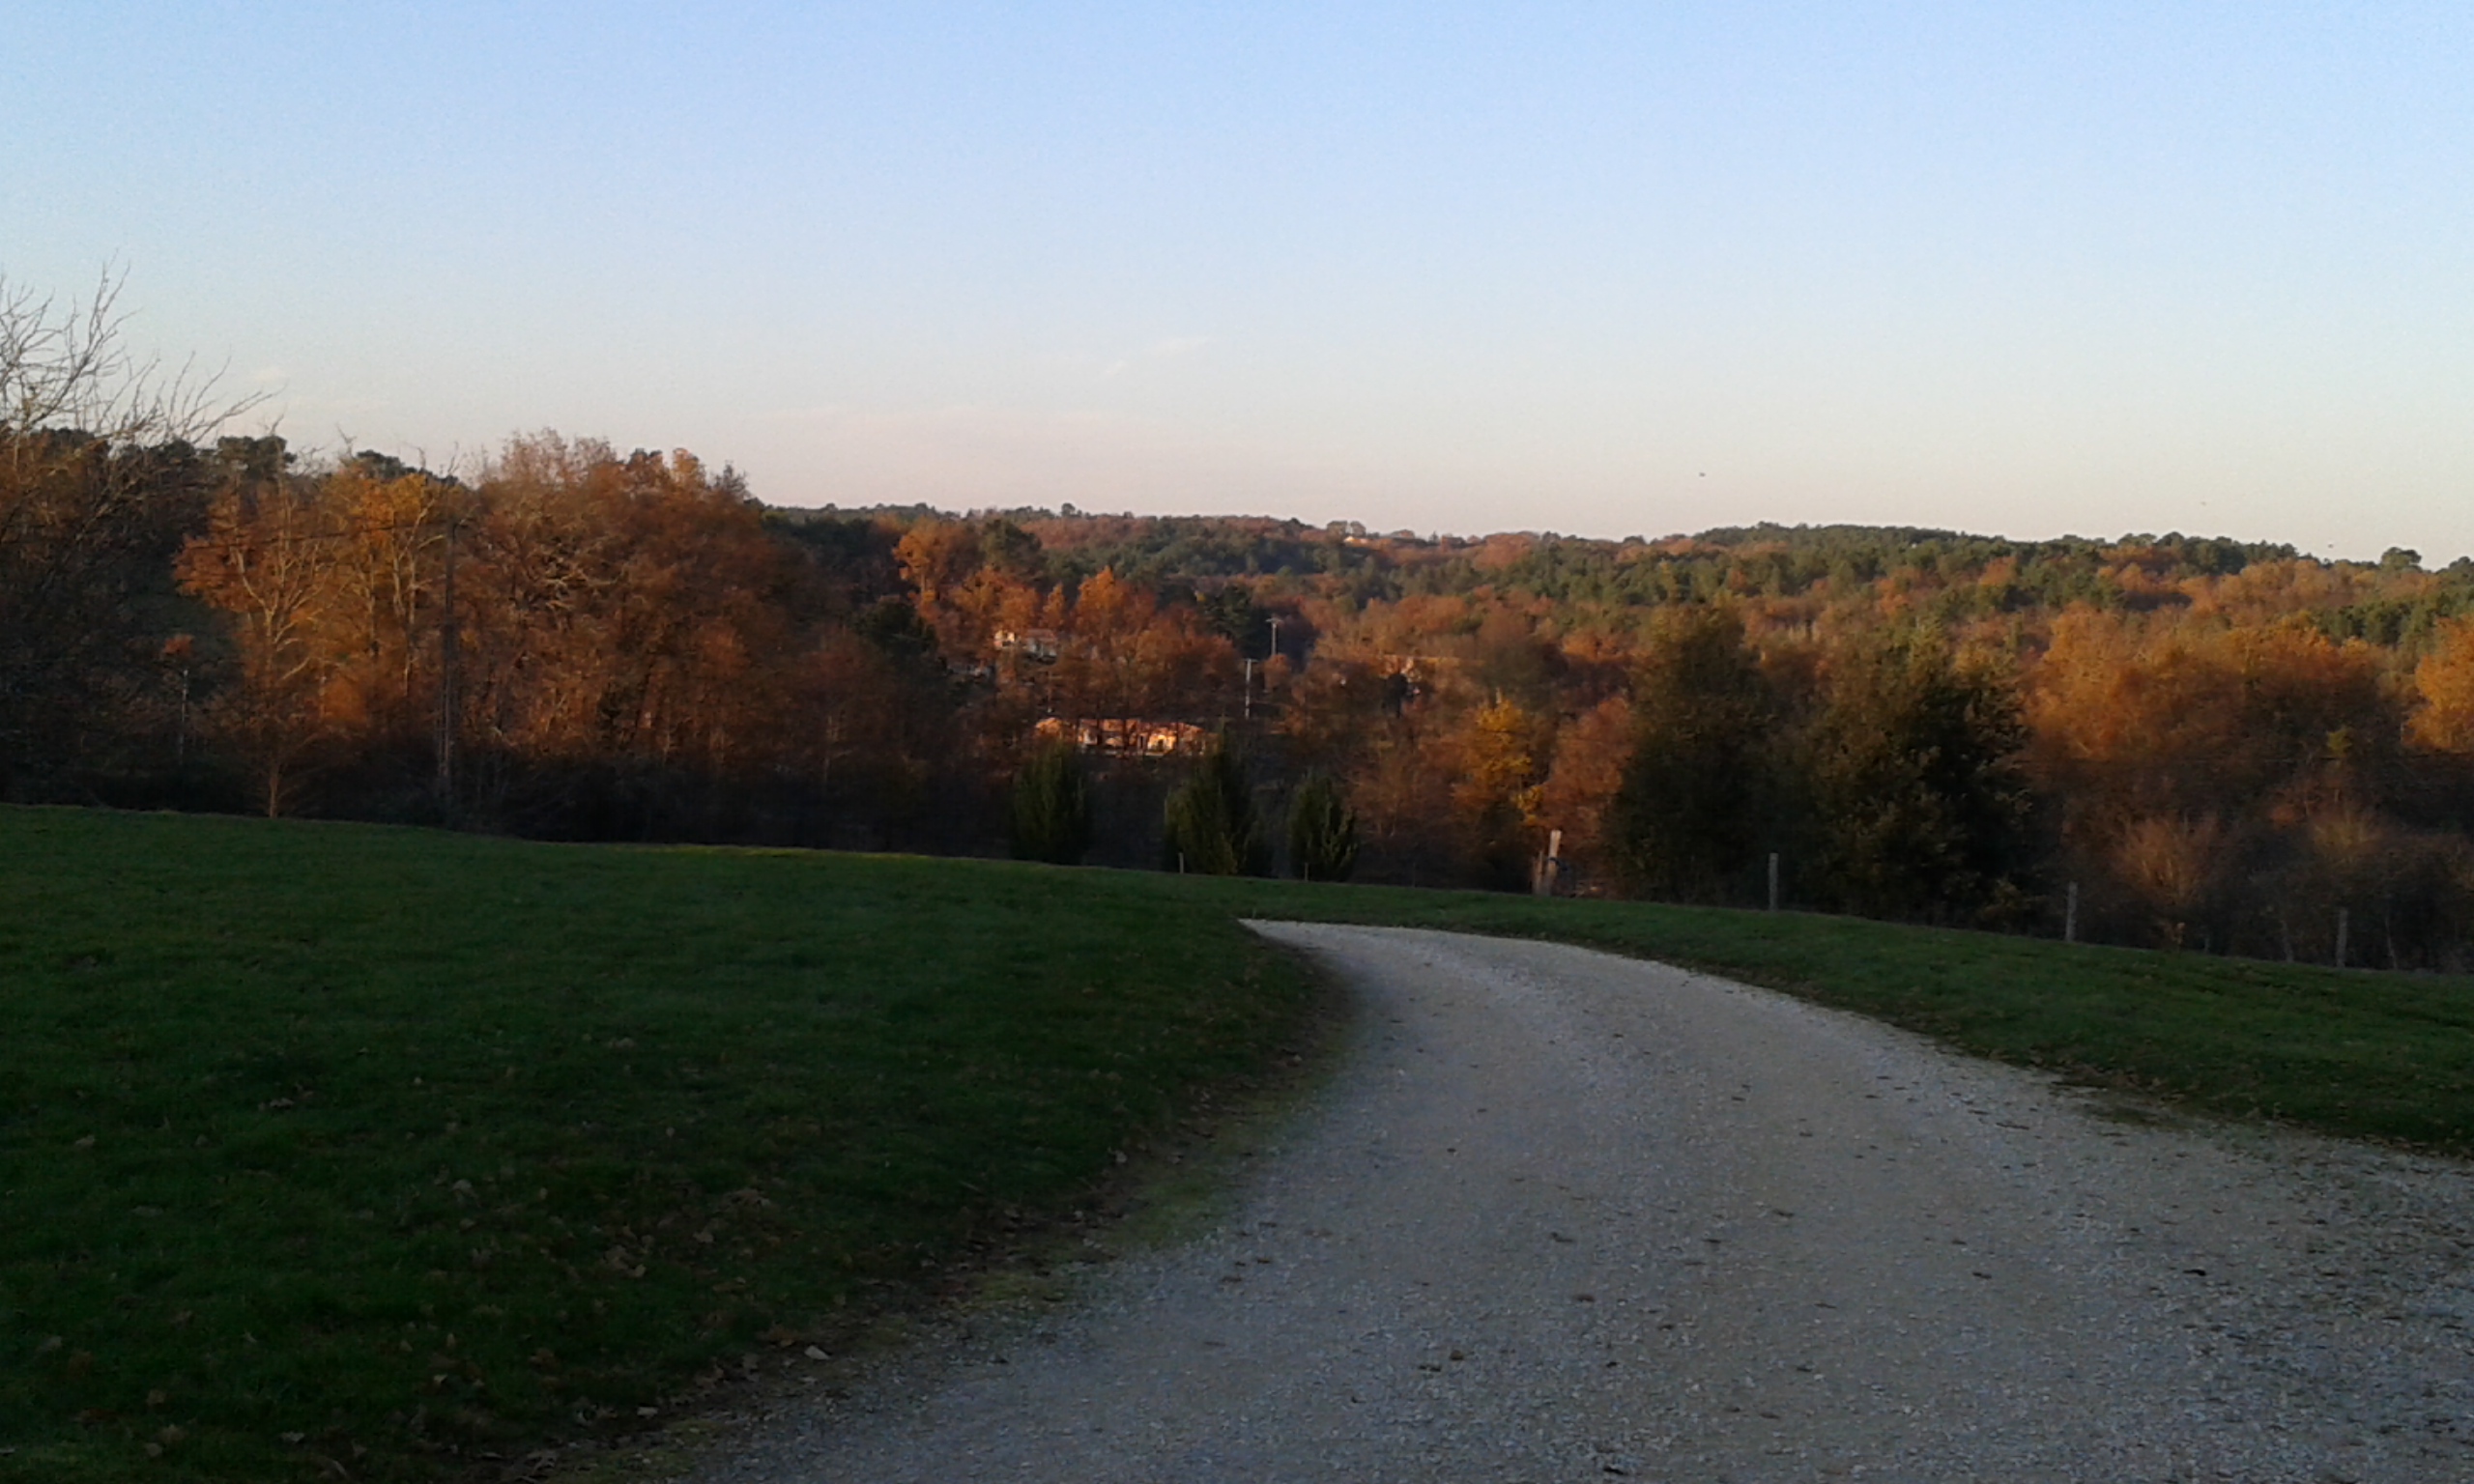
(1569, 1216)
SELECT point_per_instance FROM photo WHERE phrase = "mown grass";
(335, 1151)
(2348, 1052)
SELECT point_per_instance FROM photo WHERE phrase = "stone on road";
(1572, 1216)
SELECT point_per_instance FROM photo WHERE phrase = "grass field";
(330, 1148)
(333, 1151)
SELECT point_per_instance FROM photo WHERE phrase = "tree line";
(2187, 742)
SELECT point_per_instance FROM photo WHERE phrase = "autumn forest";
(2170, 741)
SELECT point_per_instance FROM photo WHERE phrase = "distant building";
(1417, 669)
(1127, 736)
(1041, 644)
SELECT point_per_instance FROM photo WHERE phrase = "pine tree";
(1702, 785)
(1210, 817)
(1921, 804)
(1052, 812)
(1322, 831)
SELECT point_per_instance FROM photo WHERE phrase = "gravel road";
(1569, 1216)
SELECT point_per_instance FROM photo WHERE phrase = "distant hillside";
(2174, 740)
(2392, 601)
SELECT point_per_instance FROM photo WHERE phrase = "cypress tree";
(1322, 831)
(1210, 817)
(1051, 806)
(1700, 793)
(1922, 805)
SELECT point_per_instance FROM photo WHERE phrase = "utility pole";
(1549, 870)
(1774, 880)
(1249, 707)
(448, 645)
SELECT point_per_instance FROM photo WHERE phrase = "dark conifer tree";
(1699, 798)
(1322, 831)
(1051, 806)
(1921, 806)
(1211, 824)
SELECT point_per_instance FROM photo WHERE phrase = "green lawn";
(394, 1148)
(336, 1147)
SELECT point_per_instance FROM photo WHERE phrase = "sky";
(1637, 268)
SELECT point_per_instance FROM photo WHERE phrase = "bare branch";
(68, 367)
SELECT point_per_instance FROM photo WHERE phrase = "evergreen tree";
(1210, 817)
(1922, 805)
(1322, 831)
(1700, 793)
(1052, 812)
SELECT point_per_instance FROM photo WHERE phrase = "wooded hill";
(2204, 743)
(2223, 744)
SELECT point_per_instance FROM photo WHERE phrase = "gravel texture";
(1571, 1217)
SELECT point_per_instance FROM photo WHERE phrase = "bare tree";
(100, 477)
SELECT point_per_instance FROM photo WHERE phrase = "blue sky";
(1598, 269)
